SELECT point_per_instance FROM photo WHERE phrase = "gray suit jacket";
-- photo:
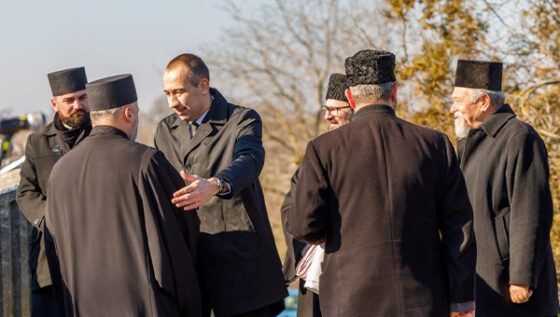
(240, 265)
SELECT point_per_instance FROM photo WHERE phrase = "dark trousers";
(308, 303)
(43, 303)
(267, 311)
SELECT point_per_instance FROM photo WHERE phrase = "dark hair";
(196, 69)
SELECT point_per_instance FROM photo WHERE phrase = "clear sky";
(107, 37)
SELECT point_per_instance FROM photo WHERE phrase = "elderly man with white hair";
(505, 165)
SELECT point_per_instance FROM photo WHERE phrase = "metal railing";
(14, 249)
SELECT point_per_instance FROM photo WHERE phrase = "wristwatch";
(221, 185)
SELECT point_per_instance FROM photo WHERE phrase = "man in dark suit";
(337, 112)
(505, 163)
(117, 246)
(70, 126)
(389, 201)
(217, 148)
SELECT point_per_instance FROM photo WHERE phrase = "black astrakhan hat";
(337, 86)
(479, 75)
(370, 67)
(67, 81)
(111, 92)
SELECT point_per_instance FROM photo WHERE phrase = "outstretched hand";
(469, 313)
(197, 193)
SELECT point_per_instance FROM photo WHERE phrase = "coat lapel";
(215, 118)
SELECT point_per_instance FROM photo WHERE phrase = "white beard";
(461, 127)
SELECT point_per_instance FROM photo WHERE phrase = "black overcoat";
(390, 202)
(121, 247)
(42, 150)
(240, 265)
(506, 169)
(308, 302)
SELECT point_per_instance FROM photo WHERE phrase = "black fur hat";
(370, 67)
(479, 75)
(337, 86)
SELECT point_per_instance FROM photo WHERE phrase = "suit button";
(188, 166)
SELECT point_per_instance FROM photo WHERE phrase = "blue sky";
(107, 37)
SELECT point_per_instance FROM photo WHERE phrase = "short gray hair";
(112, 113)
(497, 98)
(363, 94)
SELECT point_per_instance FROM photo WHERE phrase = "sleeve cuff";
(461, 307)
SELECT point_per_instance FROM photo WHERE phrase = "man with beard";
(115, 240)
(221, 143)
(505, 164)
(389, 201)
(71, 124)
(337, 112)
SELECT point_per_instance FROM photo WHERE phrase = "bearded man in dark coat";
(337, 112)
(43, 149)
(119, 247)
(505, 164)
(217, 147)
(389, 201)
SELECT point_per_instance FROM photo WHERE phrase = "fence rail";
(14, 249)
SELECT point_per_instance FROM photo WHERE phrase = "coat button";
(188, 166)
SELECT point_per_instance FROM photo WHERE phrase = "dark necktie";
(193, 126)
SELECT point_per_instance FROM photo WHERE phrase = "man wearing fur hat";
(71, 124)
(389, 201)
(337, 112)
(505, 165)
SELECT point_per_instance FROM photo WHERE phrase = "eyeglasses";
(332, 110)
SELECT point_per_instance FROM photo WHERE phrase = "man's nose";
(172, 101)
(453, 108)
(328, 115)
(79, 104)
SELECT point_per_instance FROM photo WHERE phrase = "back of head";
(370, 74)
(108, 96)
(194, 65)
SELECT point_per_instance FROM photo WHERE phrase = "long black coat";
(390, 202)
(123, 249)
(43, 149)
(240, 265)
(506, 169)
(308, 302)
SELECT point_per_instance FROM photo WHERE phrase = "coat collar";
(216, 114)
(373, 108)
(492, 125)
(107, 130)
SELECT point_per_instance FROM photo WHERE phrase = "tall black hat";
(370, 67)
(67, 81)
(337, 86)
(111, 92)
(479, 75)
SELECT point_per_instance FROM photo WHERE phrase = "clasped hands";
(197, 193)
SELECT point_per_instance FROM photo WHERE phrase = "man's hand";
(519, 294)
(196, 194)
(469, 313)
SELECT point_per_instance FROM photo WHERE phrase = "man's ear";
(394, 89)
(128, 114)
(348, 94)
(204, 84)
(54, 105)
(485, 102)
